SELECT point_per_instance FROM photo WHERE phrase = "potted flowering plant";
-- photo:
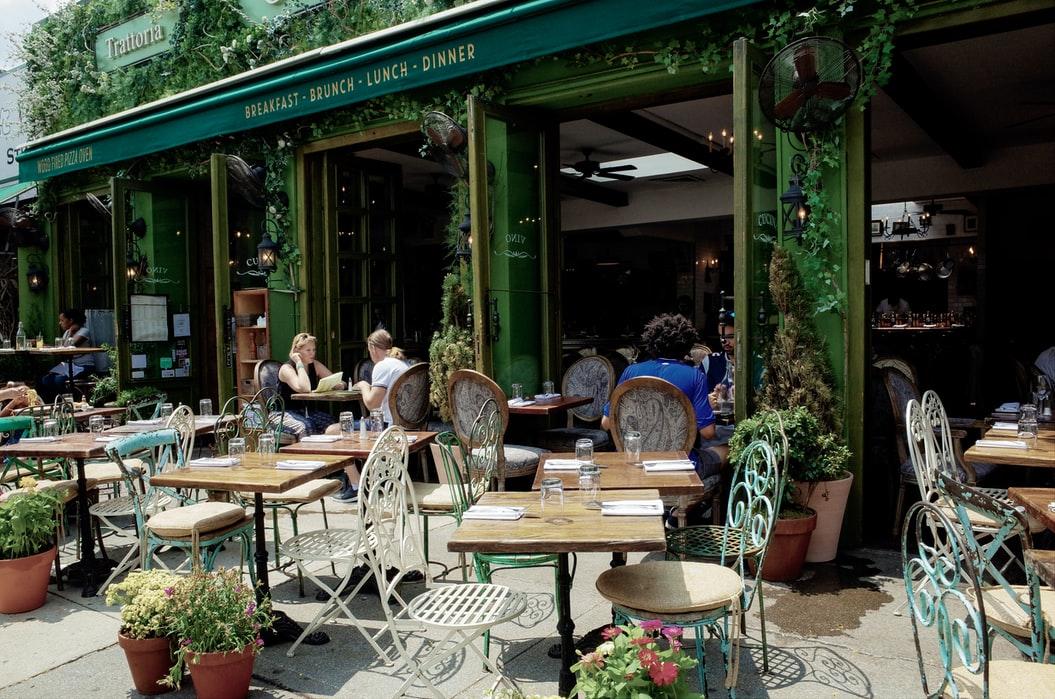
(146, 599)
(28, 518)
(636, 660)
(217, 623)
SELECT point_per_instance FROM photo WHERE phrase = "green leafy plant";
(147, 603)
(636, 660)
(134, 395)
(215, 613)
(27, 520)
(105, 387)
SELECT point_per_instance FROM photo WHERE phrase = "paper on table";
(1002, 443)
(632, 507)
(493, 512)
(1008, 408)
(321, 438)
(669, 465)
(562, 465)
(298, 465)
(519, 402)
(547, 397)
(39, 439)
(1005, 425)
(106, 439)
(214, 462)
(155, 421)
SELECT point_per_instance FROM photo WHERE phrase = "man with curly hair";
(667, 339)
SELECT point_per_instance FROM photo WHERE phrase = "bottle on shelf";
(20, 337)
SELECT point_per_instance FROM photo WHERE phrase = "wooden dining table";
(1040, 454)
(549, 407)
(576, 529)
(344, 396)
(358, 450)
(76, 447)
(258, 474)
(202, 426)
(678, 488)
(1038, 503)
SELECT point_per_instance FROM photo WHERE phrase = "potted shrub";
(814, 457)
(636, 660)
(217, 625)
(146, 599)
(28, 518)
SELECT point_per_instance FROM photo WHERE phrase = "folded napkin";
(106, 439)
(155, 421)
(1005, 426)
(298, 465)
(321, 438)
(1002, 443)
(1008, 408)
(411, 438)
(562, 465)
(493, 512)
(547, 397)
(519, 402)
(39, 439)
(214, 462)
(632, 507)
(669, 465)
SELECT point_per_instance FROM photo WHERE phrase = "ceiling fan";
(588, 168)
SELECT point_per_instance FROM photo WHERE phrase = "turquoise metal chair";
(198, 529)
(147, 409)
(12, 428)
(950, 602)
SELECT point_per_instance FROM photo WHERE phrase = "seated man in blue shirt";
(667, 339)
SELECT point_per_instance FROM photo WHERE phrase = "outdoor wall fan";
(809, 83)
(248, 180)
(102, 207)
(446, 142)
(588, 168)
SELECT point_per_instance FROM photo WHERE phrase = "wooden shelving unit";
(252, 341)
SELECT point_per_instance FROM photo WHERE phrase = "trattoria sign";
(134, 40)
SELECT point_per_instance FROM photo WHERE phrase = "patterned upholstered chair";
(589, 376)
(265, 374)
(408, 398)
(467, 391)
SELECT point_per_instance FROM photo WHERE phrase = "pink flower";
(592, 661)
(611, 632)
(663, 674)
(643, 641)
(260, 642)
(647, 657)
(169, 591)
(250, 608)
(672, 632)
(675, 644)
(651, 625)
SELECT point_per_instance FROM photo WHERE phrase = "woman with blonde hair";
(389, 365)
(301, 374)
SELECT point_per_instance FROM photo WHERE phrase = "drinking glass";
(347, 419)
(632, 447)
(548, 388)
(7, 343)
(50, 428)
(552, 497)
(166, 410)
(377, 420)
(236, 448)
(265, 443)
(1027, 424)
(518, 391)
(95, 423)
(589, 484)
(58, 342)
(205, 407)
(584, 451)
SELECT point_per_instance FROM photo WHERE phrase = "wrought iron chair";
(199, 529)
(148, 408)
(12, 428)
(467, 391)
(387, 517)
(590, 376)
(61, 411)
(408, 398)
(950, 601)
(443, 499)
(711, 596)
(1022, 614)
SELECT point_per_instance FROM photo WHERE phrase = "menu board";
(150, 318)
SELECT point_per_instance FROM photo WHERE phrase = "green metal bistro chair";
(1022, 614)
(443, 499)
(950, 601)
(199, 529)
(708, 542)
(14, 427)
(148, 408)
(709, 596)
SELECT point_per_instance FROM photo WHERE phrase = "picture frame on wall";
(877, 228)
(970, 224)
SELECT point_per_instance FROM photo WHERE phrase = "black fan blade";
(806, 64)
(790, 105)
(613, 176)
(618, 168)
(833, 90)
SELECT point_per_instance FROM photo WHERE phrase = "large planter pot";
(221, 675)
(149, 660)
(787, 548)
(24, 582)
(828, 500)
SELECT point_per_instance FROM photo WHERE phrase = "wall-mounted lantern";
(267, 252)
(37, 277)
(796, 212)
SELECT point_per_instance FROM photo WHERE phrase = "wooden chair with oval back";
(408, 398)
(590, 376)
(467, 391)
(944, 589)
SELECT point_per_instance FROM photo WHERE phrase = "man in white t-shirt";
(389, 365)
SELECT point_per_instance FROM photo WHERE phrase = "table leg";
(69, 374)
(565, 626)
(284, 629)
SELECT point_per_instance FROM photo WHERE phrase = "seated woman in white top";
(389, 365)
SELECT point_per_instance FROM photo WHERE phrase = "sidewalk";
(832, 634)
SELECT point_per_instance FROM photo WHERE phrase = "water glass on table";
(548, 387)
(50, 428)
(166, 411)
(584, 451)
(347, 419)
(1027, 424)
(236, 448)
(589, 485)
(205, 407)
(377, 420)
(551, 494)
(59, 342)
(265, 444)
(518, 391)
(95, 423)
(632, 447)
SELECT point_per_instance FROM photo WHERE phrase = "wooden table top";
(550, 407)
(1004, 416)
(616, 473)
(335, 396)
(1036, 500)
(78, 445)
(577, 530)
(353, 448)
(256, 474)
(1045, 432)
(85, 415)
(1039, 455)
(65, 351)
(201, 427)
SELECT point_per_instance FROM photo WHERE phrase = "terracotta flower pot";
(828, 500)
(24, 582)
(787, 549)
(222, 675)
(149, 660)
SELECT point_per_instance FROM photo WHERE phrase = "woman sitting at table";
(301, 374)
(74, 334)
(389, 365)
(15, 398)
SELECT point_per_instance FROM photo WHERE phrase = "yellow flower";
(28, 482)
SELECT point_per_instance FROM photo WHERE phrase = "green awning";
(471, 39)
(10, 191)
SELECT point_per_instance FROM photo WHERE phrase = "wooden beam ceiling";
(644, 129)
